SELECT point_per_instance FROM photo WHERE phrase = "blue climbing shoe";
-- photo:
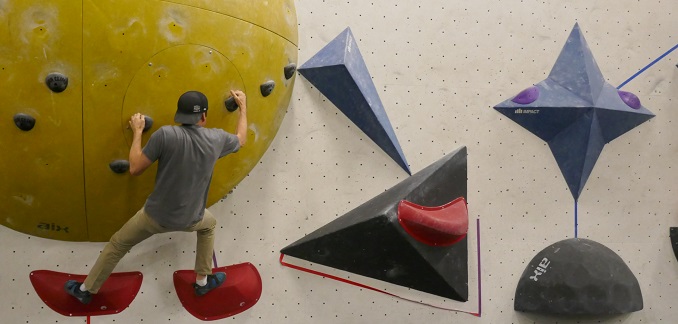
(213, 281)
(72, 287)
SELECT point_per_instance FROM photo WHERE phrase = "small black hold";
(119, 166)
(230, 104)
(24, 122)
(148, 124)
(266, 88)
(674, 240)
(56, 82)
(289, 70)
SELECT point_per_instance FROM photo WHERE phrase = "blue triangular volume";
(543, 122)
(576, 69)
(615, 116)
(340, 73)
(576, 151)
(615, 123)
(332, 54)
(575, 111)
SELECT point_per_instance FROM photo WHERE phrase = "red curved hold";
(240, 291)
(115, 295)
(438, 226)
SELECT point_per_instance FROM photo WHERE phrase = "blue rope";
(647, 67)
(576, 222)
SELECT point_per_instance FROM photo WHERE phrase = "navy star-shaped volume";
(575, 111)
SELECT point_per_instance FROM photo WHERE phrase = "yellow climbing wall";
(125, 57)
(41, 187)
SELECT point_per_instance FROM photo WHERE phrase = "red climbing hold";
(239, 292)
(438, 226)
(116, 294)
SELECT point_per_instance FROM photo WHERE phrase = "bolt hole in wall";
(439, 75)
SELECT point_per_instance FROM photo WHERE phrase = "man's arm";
(138, 162)
(241, 129)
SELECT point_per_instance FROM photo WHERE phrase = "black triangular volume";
(370, 242)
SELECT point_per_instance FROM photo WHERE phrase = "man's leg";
(205, 244)
(205, 280)
(137, 229)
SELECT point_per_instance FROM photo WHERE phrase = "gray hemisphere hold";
(24, 122)
(119, 166)
(266, 88)
(56, 82)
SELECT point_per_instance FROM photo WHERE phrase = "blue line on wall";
(576, 220)
(648, 66)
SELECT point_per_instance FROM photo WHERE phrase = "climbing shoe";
(72, 287)
(213, 281)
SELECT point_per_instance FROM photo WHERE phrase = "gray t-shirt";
(186, 156)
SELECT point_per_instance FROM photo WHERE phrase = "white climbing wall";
(440, 66)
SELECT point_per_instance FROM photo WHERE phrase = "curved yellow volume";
(121, 57)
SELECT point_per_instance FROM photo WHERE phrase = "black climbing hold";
(231, 105)
(369, 241)
(267, 88)
(674, 240)
(148, 123)
(119, 166)
(56, 82)
(24, 122)
(578, 277)
(289, 70)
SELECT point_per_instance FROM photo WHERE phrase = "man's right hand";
(241, 129)
(137, 123)
(240, 99)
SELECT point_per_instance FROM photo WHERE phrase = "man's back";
(186, 156)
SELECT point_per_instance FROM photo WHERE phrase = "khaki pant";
(141, 227)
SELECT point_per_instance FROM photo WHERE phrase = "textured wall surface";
(440, 66)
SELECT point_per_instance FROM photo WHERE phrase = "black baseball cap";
(190, 107)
